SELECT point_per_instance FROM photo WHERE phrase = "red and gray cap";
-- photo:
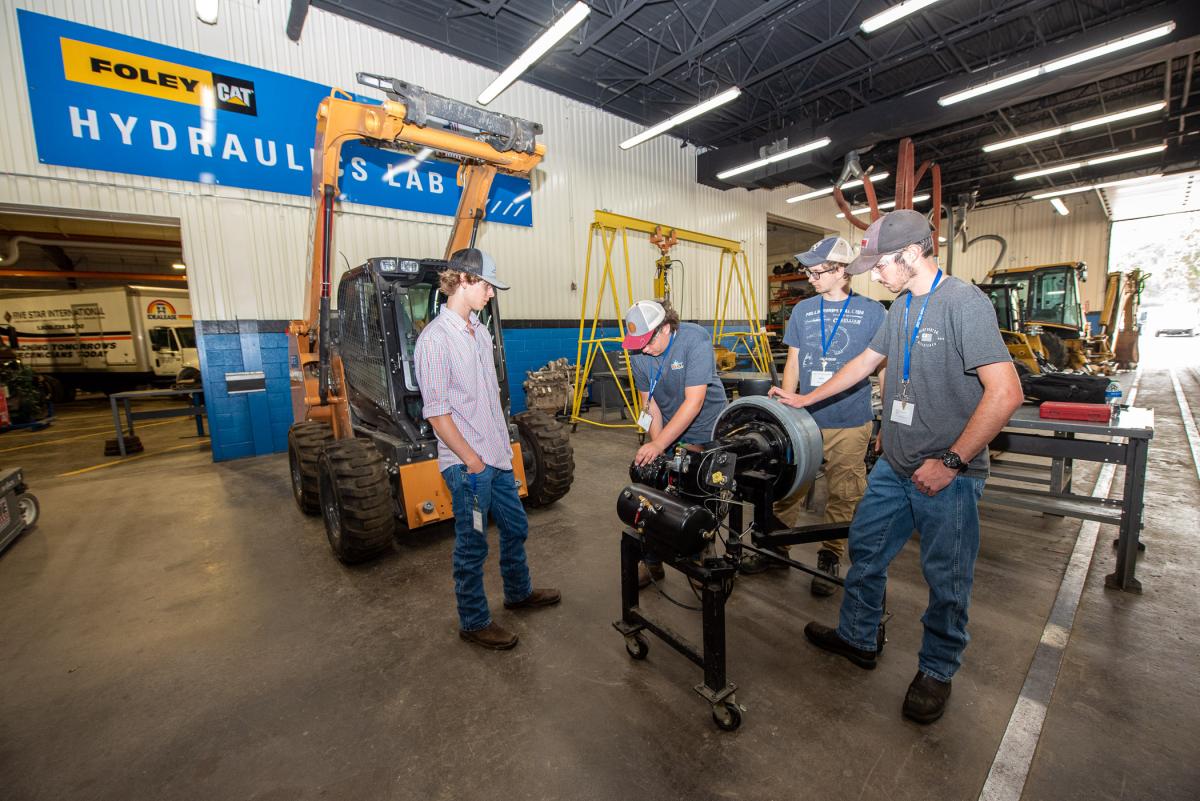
(475, 262)
(641, 321)
(831, 248)
(892, 232)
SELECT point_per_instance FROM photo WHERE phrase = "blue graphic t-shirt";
(858, 326)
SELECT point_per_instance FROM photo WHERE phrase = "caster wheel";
(637, 646)
(727, 716)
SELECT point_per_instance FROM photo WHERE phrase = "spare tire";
(547, 456)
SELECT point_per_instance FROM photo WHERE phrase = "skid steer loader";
(363, 456)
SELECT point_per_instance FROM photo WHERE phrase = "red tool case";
(1087, 412)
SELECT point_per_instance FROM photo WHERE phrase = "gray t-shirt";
(958, 335)
(847, 339)
(690, 363)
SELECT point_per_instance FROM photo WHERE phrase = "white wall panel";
(247, 250)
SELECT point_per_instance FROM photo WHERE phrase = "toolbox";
(1087, 412)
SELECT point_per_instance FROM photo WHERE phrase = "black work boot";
(753, 563)
(828, 639)
(827, 562)
(926, 698)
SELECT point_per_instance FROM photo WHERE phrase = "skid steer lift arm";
(484, 143)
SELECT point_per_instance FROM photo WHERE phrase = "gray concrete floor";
(175, 629)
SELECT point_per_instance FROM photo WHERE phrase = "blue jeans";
(949, 527)
(495, 492)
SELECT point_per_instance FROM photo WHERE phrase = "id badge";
(819, 377)
(902, 412)
(477, 518)
(644, 420)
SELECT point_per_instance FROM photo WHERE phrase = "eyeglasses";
(811, 273)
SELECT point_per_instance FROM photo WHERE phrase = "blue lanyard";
(909, 341)
(666, 358)
(825, 343)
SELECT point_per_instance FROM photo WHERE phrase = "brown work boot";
(647, 572)
(492, 637)
(543, 597)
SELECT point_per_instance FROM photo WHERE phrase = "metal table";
(195, 408)
(1123, 441)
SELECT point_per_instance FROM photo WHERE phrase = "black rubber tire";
(727, 716)
(53, 388)
(1056, 350)
(356, 500)
(548, 457)
(637, 646)
(29, 509)
(306, 440)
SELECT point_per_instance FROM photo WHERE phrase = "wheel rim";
(28, 511)
(294, 461)
(333, 515)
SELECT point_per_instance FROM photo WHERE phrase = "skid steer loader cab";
(363, 455)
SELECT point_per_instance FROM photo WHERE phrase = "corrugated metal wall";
(247, 251)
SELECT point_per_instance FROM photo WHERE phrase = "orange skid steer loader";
(363, 456)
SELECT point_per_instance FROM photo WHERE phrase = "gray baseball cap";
(831, 248)
(893, 231)
(475, 262)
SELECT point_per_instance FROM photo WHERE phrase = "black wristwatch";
(954, 461)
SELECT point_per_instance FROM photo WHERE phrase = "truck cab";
(174, 348)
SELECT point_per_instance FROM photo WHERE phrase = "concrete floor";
(175, 629)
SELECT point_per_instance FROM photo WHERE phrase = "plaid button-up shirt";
(458, 377)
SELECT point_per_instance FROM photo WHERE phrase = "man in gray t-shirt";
(950, 388)
(675, 371)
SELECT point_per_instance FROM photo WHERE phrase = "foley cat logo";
(129, 72)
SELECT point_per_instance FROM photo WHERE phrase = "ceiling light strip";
(896, 12)
(875, 178)
(1059, 206)
(1076, 126)
(1099, 51)
(786, 154)
(1102, 185)
(1075, 165)
(555, 33)
(682, 117)
(883, 206)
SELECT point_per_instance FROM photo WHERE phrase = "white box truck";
(104, 340)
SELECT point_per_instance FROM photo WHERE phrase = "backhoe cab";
(363, 455)
(1050, 312)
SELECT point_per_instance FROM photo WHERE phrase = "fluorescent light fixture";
(1075, 126)
(885, 18)
(786, 154)
(1062, 63)
(1075, 165)
(566, 23)
(875, 176)
(1074, 190)
(179, 266)
(1059, 206)
(206, 11)
(682, 117)
(891, 204)
(941, 240)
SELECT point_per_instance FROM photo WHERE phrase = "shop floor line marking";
(61, 429)
(102, 465)
(1189, 423)
(1014, 758)
(81, 436)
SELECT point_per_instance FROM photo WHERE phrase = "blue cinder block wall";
(250, 423)
(256, 423)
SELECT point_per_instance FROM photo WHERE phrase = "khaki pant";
(846, 475)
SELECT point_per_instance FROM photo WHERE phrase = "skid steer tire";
(305, 443)
(356, 500)
(547, 455)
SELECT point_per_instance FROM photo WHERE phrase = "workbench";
(195, 408)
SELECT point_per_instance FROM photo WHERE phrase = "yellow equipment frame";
(609, 227)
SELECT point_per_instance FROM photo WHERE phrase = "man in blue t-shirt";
(675, 371)
(824, 333)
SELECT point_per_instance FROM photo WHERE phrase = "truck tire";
(305, 442)
(1056, 350)
(356, 500)
(547, 455)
